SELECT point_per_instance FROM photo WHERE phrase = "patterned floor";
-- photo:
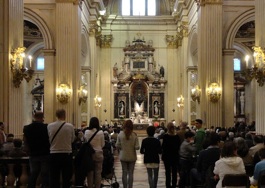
(140, 174)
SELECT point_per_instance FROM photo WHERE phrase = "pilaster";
(13, 38)
(260, 41)
(68, 55)
(210, 58)
(95, 78)
(49, 85)
(228, 87)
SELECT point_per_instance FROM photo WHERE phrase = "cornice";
(147, 20)
(204, 2)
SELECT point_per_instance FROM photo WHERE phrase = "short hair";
(228, 149)
(258, 139)
(171, 128)
(38, 115)
(199, 121)
(60, 113)
(214, 138)
(189, 134)
(150, 130)
(94, 123)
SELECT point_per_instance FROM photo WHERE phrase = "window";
(40, 64)
(237, 64)
(138, 7)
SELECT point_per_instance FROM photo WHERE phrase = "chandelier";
(257, 72)
(19, 68)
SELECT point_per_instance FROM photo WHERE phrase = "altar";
(140, 128)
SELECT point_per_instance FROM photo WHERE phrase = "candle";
(30, 59)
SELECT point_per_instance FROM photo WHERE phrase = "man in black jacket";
(37, 143)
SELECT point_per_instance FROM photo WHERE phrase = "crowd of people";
(191, 155)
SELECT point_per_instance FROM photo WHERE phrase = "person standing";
(199, 136)
(151, 148)
(2, 133)
(170, 155)
(36, 140)
(94, 176)
(127, 144)
(61, 150)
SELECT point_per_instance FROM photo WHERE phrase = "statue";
(156, 110)
(162, 71)
(242, 103)
(115, 71)
(150, 59)
(121, 107)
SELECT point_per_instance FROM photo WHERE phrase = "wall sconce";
(196, 94)
(180, 101)
(82, 95)
(19, 68)
(214, 92)
(98, 100)
(257, 72)
(63, 93)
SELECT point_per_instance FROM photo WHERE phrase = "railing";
(14, 172)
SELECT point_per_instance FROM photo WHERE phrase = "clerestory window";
(138, 7)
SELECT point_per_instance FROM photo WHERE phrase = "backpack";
(84, 162)
(83, 158)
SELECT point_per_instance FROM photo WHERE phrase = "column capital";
(229, 51)
(204, 2)
(48, 52)
(105, 41)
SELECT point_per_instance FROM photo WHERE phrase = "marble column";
(210, 58)
(68, 55)
(260, 41)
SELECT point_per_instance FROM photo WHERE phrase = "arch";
(33, 17)
(85, 47)
(193, 47)
(242, 19)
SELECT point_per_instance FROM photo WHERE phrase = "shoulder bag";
(57, 132)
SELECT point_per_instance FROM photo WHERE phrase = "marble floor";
(140, 174)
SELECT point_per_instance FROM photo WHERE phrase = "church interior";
(148, 61)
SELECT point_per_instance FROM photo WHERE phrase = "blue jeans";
(127, 173)
(152, 177)
(39, 165)
(61, 164)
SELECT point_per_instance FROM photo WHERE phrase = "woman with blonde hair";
(170, 155)
(127, 144)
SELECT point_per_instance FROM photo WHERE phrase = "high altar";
(139, 89)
